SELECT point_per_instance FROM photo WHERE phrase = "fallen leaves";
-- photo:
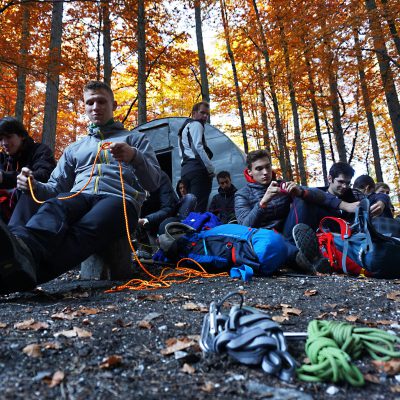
(69, 314)
(74, 332)
(33, 350)
(31, 324)
(190, 306)
(391, 367)
(352, 318)
(175, 344)
(111, 361)
(151, 297)
(395, 296)
(310, 292)
(3, 325)
(56, 379)
(188, 369)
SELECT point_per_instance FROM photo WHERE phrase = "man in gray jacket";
(65, 232)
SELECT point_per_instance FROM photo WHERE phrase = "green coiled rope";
(332, 345)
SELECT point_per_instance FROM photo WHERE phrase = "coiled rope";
(168, 275)
(331, 346)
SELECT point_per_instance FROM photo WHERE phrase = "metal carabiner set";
(250, 337)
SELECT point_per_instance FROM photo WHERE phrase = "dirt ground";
(71, 340)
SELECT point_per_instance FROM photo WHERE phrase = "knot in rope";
(249, 336)
(332, 345)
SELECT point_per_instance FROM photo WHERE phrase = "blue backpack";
(240, 249)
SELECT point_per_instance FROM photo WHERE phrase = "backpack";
(359, 249)
(240, 249)
(202, 221)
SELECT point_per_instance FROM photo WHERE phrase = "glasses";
(343, 183)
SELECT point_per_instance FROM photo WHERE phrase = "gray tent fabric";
(163, 136)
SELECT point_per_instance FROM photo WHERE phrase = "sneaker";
(308, 258)
(17, 267)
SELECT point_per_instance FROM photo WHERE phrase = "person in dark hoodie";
(19, 150)
(273, 204)
(223, 203)
(84, 211)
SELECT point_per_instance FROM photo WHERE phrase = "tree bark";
(283, 162)
(205, 91)
(264, 120)
(106, 41)
(314, 107)
(368, 108)
(392, 25)
(53, 76)
(141, 39)
(235, 78)
(21, 69)
(385, 70)
(296, 124)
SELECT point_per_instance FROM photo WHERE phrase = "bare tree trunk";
(367, 107)
(264, 120)
(392, 25)
(106, 41)
(234, 72)
(293, 103)
(283, 162)
(384, 67)
(53, 76)
(21, 69)
(314, 107)
(98, 55)
(141, 37)
(205, 91)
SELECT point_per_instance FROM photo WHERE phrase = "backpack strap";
(345, 230)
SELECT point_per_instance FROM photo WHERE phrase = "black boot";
(17, 266)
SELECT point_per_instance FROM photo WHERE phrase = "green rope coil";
(332, 345)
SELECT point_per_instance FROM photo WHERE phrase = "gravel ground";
(71, 340)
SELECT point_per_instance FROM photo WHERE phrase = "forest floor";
(70, 339)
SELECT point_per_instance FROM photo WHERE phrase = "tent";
(163, 136)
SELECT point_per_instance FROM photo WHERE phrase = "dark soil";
(136, 327)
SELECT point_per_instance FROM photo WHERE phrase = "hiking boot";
(308, 258)
(17, 267)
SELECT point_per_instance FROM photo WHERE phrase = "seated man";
(65, 232)
(223, 203)
(266, 203)
(19, 150)
(366, 185)
(339, 191)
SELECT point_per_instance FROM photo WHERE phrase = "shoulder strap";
(345, 230)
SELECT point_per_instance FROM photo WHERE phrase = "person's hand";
(143, 221)
(349, 207)
(122, 152)
(22, 179)
(292, 189)
(272, 191)
(377, 209)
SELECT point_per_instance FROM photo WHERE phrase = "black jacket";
(35, 156)
(223, 204)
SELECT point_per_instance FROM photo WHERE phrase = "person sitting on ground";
(197, 169)
(382, 187)
(366, 185)
(266, 203)
(63, 233)
(340, 191)
(223, 203)
(20, 150)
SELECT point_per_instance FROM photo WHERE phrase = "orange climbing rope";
(168, 276)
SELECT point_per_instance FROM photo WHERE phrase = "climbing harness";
(331, 346)
(168, 276)
(249, 336)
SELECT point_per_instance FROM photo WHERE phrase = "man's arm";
(196, 130)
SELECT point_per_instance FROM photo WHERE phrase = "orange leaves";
(31, 324)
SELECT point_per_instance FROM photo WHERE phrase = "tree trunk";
(205, 92)
(106, 41)
(141, 38)
(293, 103)
(283, 162)
(264, 120)
(385, 70)
(21, 69)
(98, 55)
(392, 25)
(234, 72)
(367, 107)
(53, 76)
(314, 107)
(335, 106)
